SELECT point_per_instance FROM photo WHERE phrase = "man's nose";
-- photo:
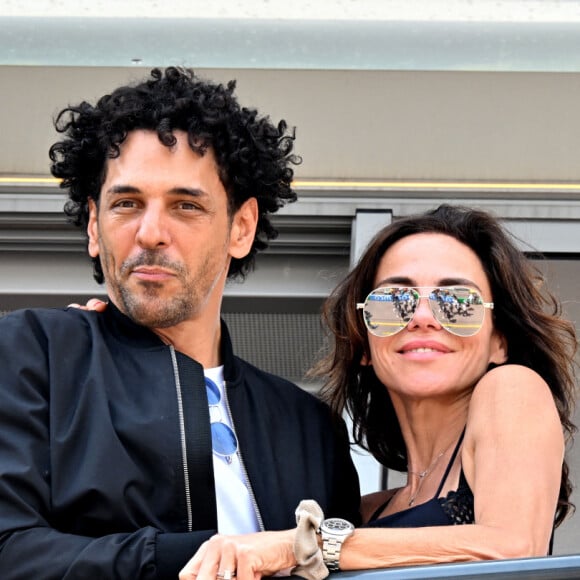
(153, 229)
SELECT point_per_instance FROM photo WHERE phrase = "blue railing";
(549, 568)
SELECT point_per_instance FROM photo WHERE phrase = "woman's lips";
(424, 347)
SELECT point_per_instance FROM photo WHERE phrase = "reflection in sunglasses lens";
(459, 310)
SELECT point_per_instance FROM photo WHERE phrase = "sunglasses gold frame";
(447, 325)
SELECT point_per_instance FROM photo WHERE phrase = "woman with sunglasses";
(457, 369)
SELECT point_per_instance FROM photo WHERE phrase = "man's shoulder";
(275, 384)
(43, 321)
(47, 314)
(251, 371)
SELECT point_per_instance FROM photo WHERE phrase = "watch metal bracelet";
(331, 552)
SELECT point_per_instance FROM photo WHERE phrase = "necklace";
(422, 475)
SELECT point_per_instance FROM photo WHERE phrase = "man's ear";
(93, 230)
(243, 229)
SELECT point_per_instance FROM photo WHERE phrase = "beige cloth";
(311, 566)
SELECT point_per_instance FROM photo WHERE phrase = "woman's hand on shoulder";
(92, 304)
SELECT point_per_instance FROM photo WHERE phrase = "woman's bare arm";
(512, 458)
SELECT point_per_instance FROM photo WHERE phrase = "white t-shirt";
(235, 512)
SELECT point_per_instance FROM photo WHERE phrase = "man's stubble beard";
(155, 311)
(150, 308)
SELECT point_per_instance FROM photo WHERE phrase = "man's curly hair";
(253, 155)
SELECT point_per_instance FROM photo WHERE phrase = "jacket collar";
(232, 366)
(126, 330)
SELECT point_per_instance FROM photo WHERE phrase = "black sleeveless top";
(455, 508)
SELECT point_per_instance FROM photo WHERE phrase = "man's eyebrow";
(190, 191)
(121, 189)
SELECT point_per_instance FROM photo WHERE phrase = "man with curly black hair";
(131, 435)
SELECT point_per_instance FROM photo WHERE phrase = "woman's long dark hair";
(526, 313)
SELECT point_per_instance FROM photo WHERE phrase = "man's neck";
(199, 341)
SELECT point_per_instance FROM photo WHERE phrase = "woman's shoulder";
(507, 398)
(509, 383)
(371, 502)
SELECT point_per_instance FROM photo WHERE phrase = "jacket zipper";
(243, 465)
(184, 449)
(183, 439)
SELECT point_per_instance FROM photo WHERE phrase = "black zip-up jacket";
(92, 476)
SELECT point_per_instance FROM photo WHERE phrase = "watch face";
(337, 526)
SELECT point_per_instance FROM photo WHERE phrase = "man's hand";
(245, 557)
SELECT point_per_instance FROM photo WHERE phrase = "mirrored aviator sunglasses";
(223, 438)
(459, 310)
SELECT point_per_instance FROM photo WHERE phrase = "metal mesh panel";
(285, 344)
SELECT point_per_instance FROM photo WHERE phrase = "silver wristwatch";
(334, 531)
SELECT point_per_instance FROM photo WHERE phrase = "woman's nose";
(423, 316)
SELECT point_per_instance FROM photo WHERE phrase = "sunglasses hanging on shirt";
(223, 438)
